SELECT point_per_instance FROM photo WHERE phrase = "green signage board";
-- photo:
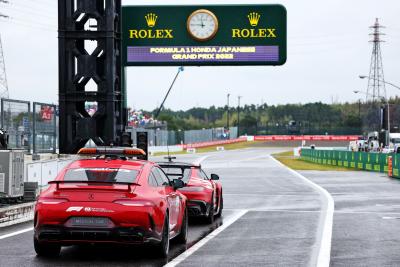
(204, 35)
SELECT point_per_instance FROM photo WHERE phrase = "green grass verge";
(233, 146)
(289, 160)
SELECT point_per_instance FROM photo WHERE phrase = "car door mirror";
(214, 176)
(177, 183)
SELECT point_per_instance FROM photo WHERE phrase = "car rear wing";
(57, 183)
(178, 166)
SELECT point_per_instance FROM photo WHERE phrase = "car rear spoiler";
(181, 166)
(57, 183)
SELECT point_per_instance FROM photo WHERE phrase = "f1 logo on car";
(71, 209)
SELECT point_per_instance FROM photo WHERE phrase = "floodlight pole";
(238, 111)
(227, 115)
(364, 76)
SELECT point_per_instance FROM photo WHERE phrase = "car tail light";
(134, 203)
(51, 201)
(192, 189)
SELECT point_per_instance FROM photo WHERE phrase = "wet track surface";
(18, 251)
(278, 225)
(366, 225)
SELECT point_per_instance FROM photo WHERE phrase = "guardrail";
(368, 161)
(16, 214)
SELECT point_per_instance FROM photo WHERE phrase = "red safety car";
(110, 199)
(204, 194)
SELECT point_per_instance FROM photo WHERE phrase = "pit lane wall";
(16, 214)
(306, 137)
(215, 143)
(368, 161)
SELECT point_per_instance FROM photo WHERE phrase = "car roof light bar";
(120, 151)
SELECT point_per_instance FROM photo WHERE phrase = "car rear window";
(109, 175)
(178, 173)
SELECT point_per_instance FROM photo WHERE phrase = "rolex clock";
(202, 25)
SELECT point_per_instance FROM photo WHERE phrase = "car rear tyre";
(46, 250)
(163, 246)
(210, 217)
(221, 207)
(182, 237)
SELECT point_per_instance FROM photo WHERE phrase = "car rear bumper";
(198, 208)
(73, 235)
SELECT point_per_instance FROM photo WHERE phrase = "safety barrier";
(377, 162)
(16, 214)
(215, 143)
(306, 137)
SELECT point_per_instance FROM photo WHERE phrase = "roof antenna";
(169, 158)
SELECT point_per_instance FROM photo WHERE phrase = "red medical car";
(110, 198)
(204, 194)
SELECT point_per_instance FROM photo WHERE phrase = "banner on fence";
(306, 137)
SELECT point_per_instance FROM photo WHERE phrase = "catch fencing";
(158, 137)
(207, 135)
(44, 128)
(29, 130)
(16, 120)
(36, 130)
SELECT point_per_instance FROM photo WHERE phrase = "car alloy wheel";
(182, 237)
(163, 246)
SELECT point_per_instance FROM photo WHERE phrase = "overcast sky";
(327, 49)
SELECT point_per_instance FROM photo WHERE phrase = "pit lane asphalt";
(279, 227)
(366, 222)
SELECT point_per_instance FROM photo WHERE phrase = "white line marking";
(324, 253)
(203, 241)
(390, 218)
(200, 160)
(16, 233)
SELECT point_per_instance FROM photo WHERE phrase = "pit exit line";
(200, 160)
(16, 233)
(326, 223)
(226, 223)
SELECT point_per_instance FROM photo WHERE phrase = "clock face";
(202, 25)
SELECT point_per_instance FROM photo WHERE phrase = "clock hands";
(202, 23)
